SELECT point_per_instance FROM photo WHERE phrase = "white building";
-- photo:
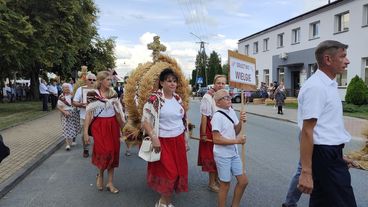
(285, 52)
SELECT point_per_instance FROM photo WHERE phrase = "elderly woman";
(164, 121)
(69, 116)
(103, 116)
(205, 151)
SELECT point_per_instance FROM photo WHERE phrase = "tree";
(214, 66)
(14, 32)
(200, 64)
(357, 92)
(225, 69)
(99, 56)
(61, 28)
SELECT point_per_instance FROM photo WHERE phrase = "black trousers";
(331, 178)
(53, 100)
(45, 102)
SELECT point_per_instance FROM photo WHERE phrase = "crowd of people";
(96, 112)
(15, 92)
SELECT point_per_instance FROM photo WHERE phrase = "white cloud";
(130, 55)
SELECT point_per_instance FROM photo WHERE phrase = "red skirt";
(170, 173)
(205, 151)
(106, 138)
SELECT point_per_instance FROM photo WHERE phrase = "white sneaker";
(74, 144)
(67, 148)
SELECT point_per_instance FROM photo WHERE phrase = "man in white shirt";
(325, 173)
(78, 102)
(53, 93)
(44, 94)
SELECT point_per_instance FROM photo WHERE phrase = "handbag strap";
(94, 118)
(226, 116)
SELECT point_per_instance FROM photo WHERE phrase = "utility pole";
(202, 51)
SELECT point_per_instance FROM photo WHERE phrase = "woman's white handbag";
(146, 151)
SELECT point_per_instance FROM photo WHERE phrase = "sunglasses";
(92, 79)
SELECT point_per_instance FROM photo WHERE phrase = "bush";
(351, 108)
(357, 92)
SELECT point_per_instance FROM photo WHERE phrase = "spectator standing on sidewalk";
(205, 150)
(78, 102)
(225, 129)
(44, 95)
(325, 173)
(280, 97)
(53, 93)
(68, 113)
(106, 114)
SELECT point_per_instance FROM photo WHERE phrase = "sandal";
(214, 188)
(112, 189)
(99, 184)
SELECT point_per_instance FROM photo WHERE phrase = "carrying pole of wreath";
(242, 75)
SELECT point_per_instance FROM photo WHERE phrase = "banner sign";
(242, 71)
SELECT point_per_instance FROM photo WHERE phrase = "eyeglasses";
(228, 98)
(92, 79)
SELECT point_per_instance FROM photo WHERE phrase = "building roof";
(302, 16)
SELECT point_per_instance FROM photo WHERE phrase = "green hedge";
(357, 92)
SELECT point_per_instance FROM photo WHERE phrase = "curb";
(16, 178)
(270, 117)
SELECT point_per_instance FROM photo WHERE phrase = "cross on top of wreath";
(156, 47)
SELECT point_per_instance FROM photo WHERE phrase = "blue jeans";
(293, 194)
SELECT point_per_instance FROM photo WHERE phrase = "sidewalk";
(30, 143)
(353, 125)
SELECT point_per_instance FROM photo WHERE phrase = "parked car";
(235, 94)
(202, 91)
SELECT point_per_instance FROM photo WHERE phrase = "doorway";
(295, 83)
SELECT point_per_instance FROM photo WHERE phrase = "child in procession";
(225, 130)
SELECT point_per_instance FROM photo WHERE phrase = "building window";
(280, 40)
(266, 76)
(246, 49)
(314, 30)
(365, 15)
(281, 75)
(365, 69)
(255, 47)
(257, 79)
(295, 35)
(342, 22)
(341, 79)
(265, 44)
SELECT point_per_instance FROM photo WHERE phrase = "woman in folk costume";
(105, 116)
(205, 151)
(69, 116)
(164, 120)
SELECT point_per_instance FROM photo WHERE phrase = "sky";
(219, 23)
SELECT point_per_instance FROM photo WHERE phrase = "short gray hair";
(328, 46)
(90, 75)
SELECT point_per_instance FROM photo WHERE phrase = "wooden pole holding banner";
(242, 129)
(242, 75)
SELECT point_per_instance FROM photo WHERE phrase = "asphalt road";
(67, 179)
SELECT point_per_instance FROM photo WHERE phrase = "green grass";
(291, 105)
(15, 113)
(362, 115)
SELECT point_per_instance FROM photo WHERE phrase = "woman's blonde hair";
(102, 75)
(219, 76)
